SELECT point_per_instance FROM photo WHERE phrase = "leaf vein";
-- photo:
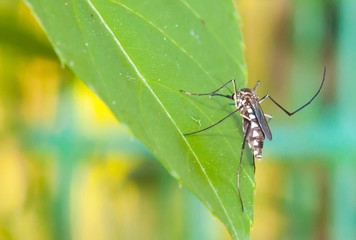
(197, 15)
(165, 35)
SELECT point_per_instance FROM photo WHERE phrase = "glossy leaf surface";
(136, 55)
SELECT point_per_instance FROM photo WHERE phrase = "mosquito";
(255, 125)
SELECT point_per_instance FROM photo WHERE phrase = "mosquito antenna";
(185, 134)
(226, 86)
(238, 88)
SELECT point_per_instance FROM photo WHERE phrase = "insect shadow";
(255, 124)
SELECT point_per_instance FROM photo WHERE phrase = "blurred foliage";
(69, 171)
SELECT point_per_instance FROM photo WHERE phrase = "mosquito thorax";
(247, 93)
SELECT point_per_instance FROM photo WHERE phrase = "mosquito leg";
(287, 112)
(255, 87)
(235, 94)
(238, 173)
(268, 115)
(245, 117)
(214, 92)
(262, 99)
(185, 134)
(254, 164)
(207, 94)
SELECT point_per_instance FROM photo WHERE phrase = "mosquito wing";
(262, 120)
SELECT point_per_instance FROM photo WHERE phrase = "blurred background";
(68, 170)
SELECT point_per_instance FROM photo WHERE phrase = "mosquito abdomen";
(255, 135)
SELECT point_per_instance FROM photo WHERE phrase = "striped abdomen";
(255, 135)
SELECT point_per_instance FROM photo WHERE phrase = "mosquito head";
(244, 94)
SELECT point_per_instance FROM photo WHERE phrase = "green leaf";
(136, 55)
